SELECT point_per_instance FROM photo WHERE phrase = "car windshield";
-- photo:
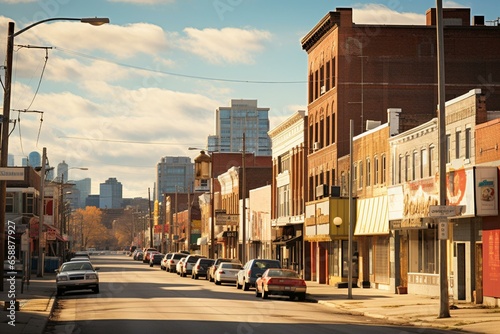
(76, 266)
(230, 265)
(282, 273)
(266, 264)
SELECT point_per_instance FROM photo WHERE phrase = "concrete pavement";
(37, 301)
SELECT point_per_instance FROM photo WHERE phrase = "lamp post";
(204, 170)
(4, 134)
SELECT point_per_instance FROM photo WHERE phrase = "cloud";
(226, 45)
(381, 14)
(119, 41)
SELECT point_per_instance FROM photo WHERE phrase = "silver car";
(77, 275)
(226, 272)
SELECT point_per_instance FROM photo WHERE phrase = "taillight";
(271, 281)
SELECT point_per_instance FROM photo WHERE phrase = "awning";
(202, 241)
(373, 216)
(284, 240)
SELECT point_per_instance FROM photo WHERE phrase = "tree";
(87, 227)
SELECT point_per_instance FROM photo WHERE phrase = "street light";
(4, 134)
(204, 170)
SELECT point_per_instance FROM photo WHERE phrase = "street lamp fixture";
(337, 221)
(6, 112)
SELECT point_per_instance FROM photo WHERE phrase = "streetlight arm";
(95, 21)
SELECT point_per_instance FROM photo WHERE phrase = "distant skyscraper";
(110, 194)
(34, 159)
(242, 117)
(84, 188)
(62, 171)
(10, 161)
(174, 174)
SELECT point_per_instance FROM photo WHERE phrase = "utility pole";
(243, 192)
(41, 259)
(444, 309)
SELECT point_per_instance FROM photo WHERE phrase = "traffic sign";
(446, 210)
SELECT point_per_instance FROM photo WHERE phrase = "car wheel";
(96, 289)
(257, 293)
(217, 282)
(302, 297)
(265, 294)
(246, 286)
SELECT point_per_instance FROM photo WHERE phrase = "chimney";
(393, 120)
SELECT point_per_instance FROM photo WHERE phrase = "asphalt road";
(135, 298)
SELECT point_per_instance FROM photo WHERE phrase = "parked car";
(211, 271)
(283, 282)
(139, 255)
(164, 261)
(155, 258)
(79, 258)
(248, 275)
(187, 269)
(172, 261)
(147, 255)
(77, 275)
(180, 265)
(200, 268)
(226, 272)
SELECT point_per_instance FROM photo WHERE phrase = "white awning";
(202, 241)
(372, 216)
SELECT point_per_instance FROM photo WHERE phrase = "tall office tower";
(174, 174)
(110, 194)
(84, 188)
(62, 172)
(34, 159)
(242, 117)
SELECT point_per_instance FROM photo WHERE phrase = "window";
(368, 172)
(424, 251)
(414, 166)
(457, 144)
(468, 143)
(423, 158)
(9, 207)
(29, 204)
(355, 177)
(448, 148)
(407, 167)
(400, 169)
(431, 160)
(376, 171)
(384, 169)
(361, 175)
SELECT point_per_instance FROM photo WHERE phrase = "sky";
(117, 98)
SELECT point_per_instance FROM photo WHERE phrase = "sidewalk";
(37, 300)
(414, 310)
(35, 305)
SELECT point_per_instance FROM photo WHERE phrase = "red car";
(283, 282)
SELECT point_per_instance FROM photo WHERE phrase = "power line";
(121, 141)
(177, 74)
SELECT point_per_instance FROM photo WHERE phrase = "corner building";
(359, 71)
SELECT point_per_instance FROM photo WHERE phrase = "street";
(135, 298)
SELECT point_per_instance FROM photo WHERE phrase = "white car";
(226, 272)
(77, 275)
(180, 265)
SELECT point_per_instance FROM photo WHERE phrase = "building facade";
(243, 119)
(289, 188)
(110, 194)
(174, 174)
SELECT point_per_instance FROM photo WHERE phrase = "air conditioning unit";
(322, 90)
(316, 146)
